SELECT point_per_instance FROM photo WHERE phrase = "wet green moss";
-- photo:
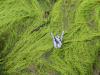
(26, 46)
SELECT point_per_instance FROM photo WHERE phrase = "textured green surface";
(26, 46)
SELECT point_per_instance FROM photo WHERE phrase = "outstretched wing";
(62, 35)
(52, 35)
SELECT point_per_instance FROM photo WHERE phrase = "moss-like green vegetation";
(26, 46)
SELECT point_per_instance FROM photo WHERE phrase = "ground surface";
(26, 46)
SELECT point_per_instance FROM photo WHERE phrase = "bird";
(57, 40)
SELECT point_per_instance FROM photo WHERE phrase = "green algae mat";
(26, 46)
